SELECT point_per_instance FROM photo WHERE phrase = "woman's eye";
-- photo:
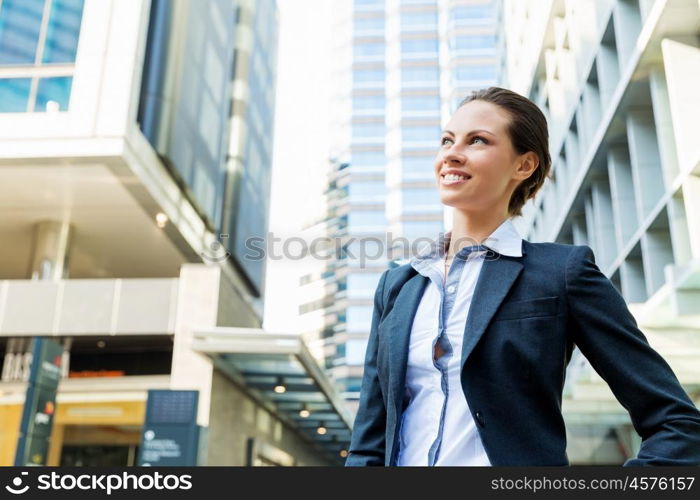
(477, 138)
(445, 140)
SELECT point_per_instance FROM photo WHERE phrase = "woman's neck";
(470, 228)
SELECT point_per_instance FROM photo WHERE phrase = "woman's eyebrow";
(478, 131)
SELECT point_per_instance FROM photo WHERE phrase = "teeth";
(454, 177)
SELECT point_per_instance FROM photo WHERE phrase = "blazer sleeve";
(367, 445)
(641, 380)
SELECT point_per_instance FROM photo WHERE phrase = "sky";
(300, 146)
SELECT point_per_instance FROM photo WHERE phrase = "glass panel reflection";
(63, 31)
(20, 23)
(53, 94)
(14, 94)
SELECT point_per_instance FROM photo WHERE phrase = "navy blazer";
(526, 315)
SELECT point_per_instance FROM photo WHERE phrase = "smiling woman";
(466, 365)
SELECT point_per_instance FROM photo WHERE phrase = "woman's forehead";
(478, 115)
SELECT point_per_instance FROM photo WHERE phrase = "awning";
(282, 375)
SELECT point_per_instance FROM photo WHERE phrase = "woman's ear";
(527, 164)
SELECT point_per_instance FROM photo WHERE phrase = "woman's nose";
(454, 156)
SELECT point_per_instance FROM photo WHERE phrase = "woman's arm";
(607, 334)
(368, 442)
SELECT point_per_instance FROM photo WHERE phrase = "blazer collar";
(504, 240)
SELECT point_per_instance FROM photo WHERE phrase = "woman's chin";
(452, 199)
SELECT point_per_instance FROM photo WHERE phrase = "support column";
(51, 250)
(682, 66)
(197, 307)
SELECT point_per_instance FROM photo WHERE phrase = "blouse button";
(451, 289)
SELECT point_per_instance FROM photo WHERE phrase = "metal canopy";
(262, 361)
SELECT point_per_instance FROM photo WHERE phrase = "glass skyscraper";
(400, 69)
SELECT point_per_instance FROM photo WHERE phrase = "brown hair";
(528, 132)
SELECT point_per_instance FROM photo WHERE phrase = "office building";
(400, 68)
(618, 82)
(134, 171)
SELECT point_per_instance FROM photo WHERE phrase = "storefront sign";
(170, 434)
(40, 402)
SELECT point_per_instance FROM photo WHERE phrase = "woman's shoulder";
(559, 251)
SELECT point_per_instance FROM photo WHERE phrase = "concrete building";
(618, 82)
(134, 169)
(400, 67)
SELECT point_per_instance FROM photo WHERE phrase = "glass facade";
(390, 139)
(188, 127)
(35, 34)
(251, 199)
(191, 128)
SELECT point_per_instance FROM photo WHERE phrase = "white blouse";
(437, 427)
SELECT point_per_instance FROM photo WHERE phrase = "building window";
(39, 40)
(367, 191)
(419, 46)
(417, 2)
(420, 103)
(368, 75)
(355, 350)
(362, 285)
(413, 230)
(420, 133)
(476, 72)
(419, 20)
(429, 74)
(420, 201)
(472, 13)
(418, 167)
(368, 24)
(359, 318)
(368, 102)
(374, 50)
(366, 221)
(368, 159)
(472, 42)
(368, 130)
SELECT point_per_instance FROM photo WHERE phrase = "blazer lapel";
(402, 315)
(495, 279)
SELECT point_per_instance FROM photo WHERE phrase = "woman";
(469, 342)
